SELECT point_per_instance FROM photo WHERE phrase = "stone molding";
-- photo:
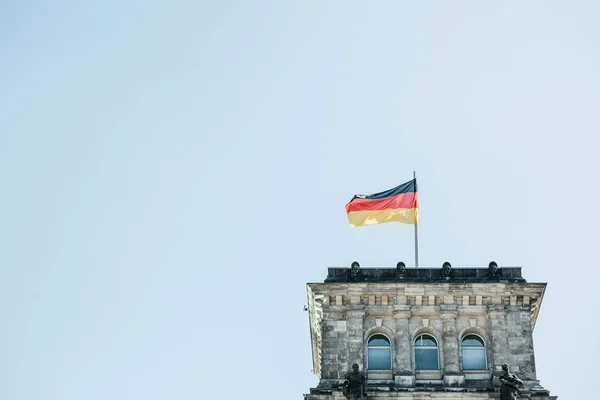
(472, 298)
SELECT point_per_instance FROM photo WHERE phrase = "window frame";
(482, 349)
(436, 347)
(388, 347)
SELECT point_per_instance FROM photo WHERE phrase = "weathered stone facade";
(499, 307)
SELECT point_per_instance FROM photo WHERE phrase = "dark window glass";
(379, 353)
(425, 340)
(379, 358)
(473, 358)
(379, 340)
(473, 353)
(426, 359)
(472, 341)
(426, 353)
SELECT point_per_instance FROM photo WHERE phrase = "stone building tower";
(426, 333)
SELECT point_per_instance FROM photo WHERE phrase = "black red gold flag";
(399, 204)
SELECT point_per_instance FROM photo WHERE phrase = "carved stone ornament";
(400, 270)
(354, 270)
(354, 385)
(446, 270)
(493, 270)
(510, 384)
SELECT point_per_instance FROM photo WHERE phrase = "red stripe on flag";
(402, 200)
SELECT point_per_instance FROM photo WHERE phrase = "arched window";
(473, 352)
(379, 353)
(426, 353)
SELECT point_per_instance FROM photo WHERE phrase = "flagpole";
(417, 255)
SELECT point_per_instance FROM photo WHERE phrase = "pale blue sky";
(174, 173)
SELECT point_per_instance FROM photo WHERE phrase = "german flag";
(399, 204)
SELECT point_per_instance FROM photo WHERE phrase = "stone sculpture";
(510, 384)
(400, 269)
(447, 270)
(493, 269)
(354, 385)
(354, 270)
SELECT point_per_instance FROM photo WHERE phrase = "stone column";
(354, 320)
(452, 376)
(403, 372)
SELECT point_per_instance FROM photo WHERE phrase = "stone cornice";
(378, 297)
(488, 288)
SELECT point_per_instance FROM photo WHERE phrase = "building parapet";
(423, 275)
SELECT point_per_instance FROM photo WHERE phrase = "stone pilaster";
(354, 320)
(403, 373)
(499, 333)
(452, 376)
(335, 346)
(520, 342)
